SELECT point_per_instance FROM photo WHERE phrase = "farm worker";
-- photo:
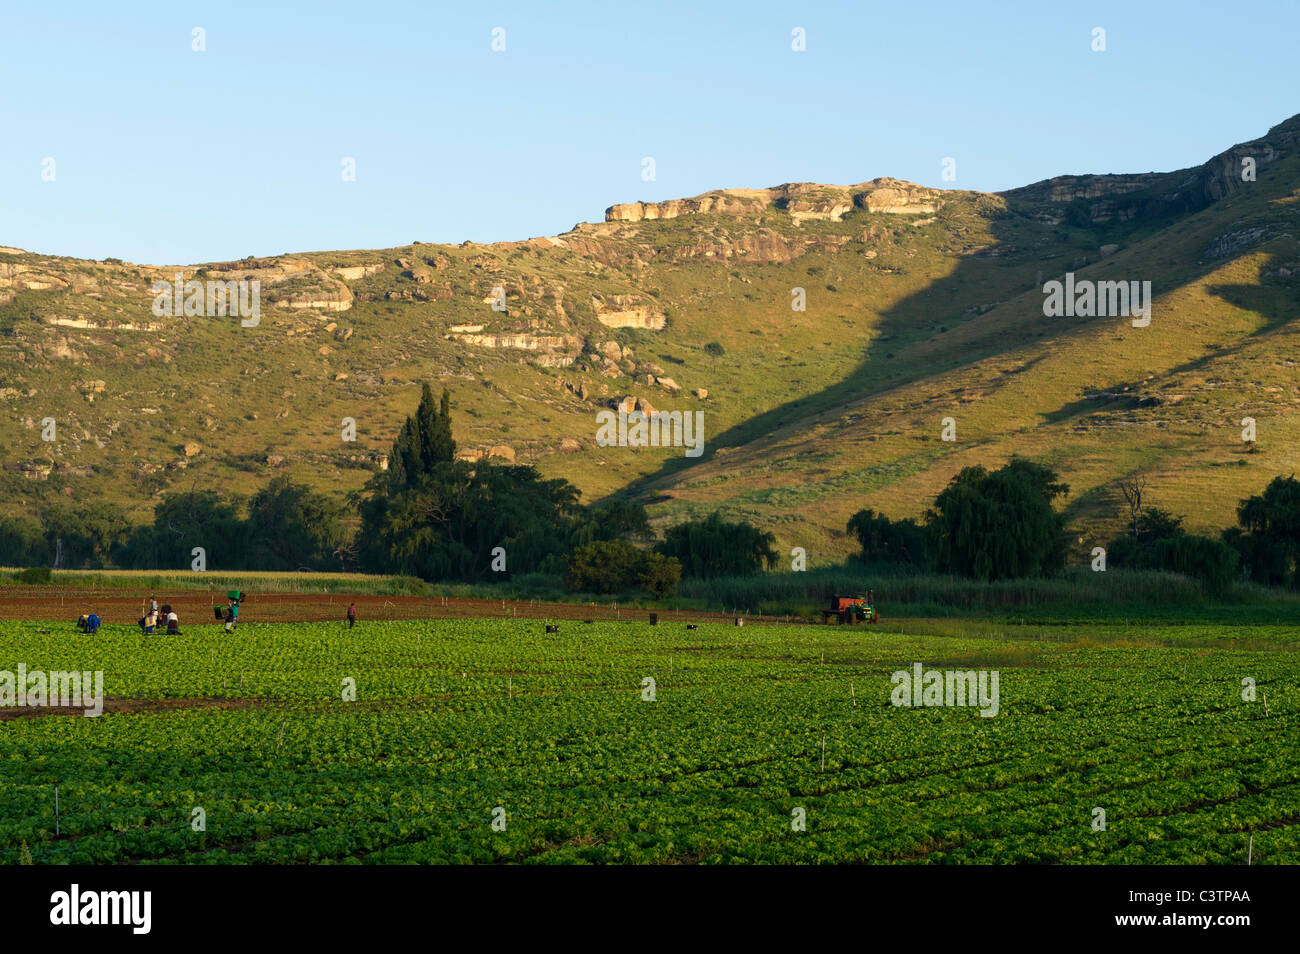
(173, 624)
(232, 615)
(150, 621)
(352, 615)
(92, 623)
(81, 622)
(153, 606)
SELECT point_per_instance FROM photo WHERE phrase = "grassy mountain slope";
(921, 304)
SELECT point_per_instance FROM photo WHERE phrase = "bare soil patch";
(130, 706)
(194, 607)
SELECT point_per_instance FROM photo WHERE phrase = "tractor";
(851, 609)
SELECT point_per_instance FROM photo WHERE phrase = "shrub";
(714, 547)
(612, 566)
(888, 541)
(659, 574)
(1212, 562)
(1138, 548)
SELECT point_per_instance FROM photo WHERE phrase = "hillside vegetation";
(921, 305)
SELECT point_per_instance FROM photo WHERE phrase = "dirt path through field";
(194, 607)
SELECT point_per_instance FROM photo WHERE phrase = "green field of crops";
(457, 724)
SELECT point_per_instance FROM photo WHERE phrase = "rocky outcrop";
(524, 342)
(352, 273)
(102, 324)
(1104, 198)
(627, 311)
(799, 200)
(545, 351)
(26, 278)
(721, 202)
(896, 197)
(762, 247)
(285, 282)
(319, 296)
(500, 451)
(1233, 242)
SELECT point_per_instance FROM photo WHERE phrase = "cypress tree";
(428, 424)
(442, 449)
(424, 441)
(405, 463)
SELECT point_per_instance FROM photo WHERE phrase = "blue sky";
(163, 155)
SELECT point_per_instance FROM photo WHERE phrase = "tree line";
(429, 515)
(1001, 524)
(440, 518)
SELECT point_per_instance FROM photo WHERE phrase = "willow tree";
(1000, 524)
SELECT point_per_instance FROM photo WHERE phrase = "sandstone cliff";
(799, 200)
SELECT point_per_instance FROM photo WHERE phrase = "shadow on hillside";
(1009, 273)
(911, 325)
